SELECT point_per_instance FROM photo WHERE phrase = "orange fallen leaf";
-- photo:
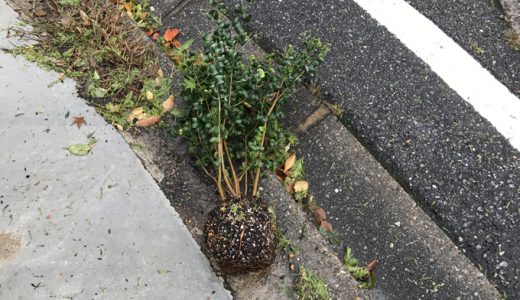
(176, 44)
(78, 121)
(289, 163)
(170, 34)
(155, 36)
(167, 105)
(128, 6)
(150, 121)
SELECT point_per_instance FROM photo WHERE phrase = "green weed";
(92, 42)
(311, 287)
(364, 275)
(284, 243)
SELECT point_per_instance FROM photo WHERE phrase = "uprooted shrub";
(232, 126)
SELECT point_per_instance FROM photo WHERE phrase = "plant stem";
(220, 156)
(236, 182)
(276, 96)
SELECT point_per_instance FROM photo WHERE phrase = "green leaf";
(80, 149)
(163, 271)
(189, 83)
(186, 45)
(213, 14)
(83, 149)
(97, 92)
(260, 73)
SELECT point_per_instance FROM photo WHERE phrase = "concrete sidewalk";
(94, 226)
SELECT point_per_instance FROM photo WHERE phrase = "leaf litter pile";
(94, 42)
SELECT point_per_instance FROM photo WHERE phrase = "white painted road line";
(452, 63)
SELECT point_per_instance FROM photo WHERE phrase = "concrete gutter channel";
(371, 212)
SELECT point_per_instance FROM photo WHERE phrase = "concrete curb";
(512, 9)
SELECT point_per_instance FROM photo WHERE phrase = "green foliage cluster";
(233, 124)
(311, 287)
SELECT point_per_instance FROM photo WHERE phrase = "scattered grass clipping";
(93, 42)
(311, 287)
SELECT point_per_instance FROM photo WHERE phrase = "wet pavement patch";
(9, 246)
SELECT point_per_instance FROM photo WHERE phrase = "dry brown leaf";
(301, 186)
(119, 127)
(78, 121)
(40, 12)
(85, 18)
(280, 174)
(138, 110)
(157, 81)
(160, 73)
(319, 215)
(148, 121)
(137, 113)
(371, 267)
(290, 187)
(167, 105)
(149, 96)
(326, 225)
(289, 163)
